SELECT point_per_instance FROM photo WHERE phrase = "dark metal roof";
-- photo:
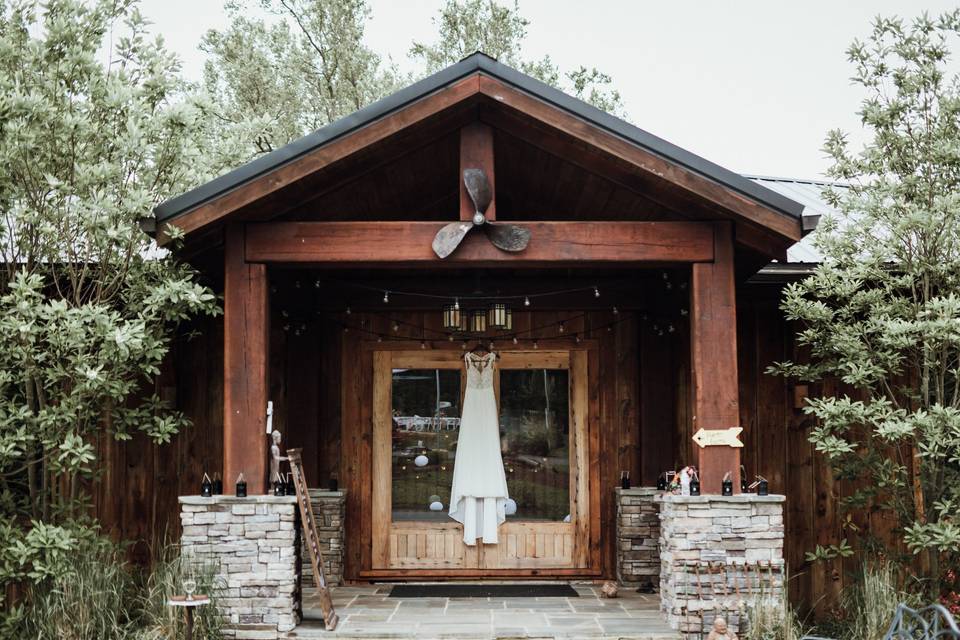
(476, 63)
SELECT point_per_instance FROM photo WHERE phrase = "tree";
(882, 312)
(302, 64)
(466, 26)
(88, 304)
(275, 80)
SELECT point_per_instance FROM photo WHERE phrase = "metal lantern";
(478, 321)
(451, 317)
(497, 316)
(464, 321)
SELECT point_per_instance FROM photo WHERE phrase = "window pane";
(535, 440)
(426, 424)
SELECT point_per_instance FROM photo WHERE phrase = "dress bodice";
(480, 370)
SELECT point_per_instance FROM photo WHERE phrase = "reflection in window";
(535, 441)
(426, 424)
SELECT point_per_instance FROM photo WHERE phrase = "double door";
(542, 398)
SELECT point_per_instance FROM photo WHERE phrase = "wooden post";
(245, 344)
(713, 356)
(476, 152)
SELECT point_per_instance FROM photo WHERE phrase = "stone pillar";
(254, 541)
(717, 556)
(638, 533)
(329, 512)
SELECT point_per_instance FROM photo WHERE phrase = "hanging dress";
(479, 484)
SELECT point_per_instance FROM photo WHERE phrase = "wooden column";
(713, 355)
(245, 360)
(476, 152)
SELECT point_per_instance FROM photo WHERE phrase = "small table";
(189, 604)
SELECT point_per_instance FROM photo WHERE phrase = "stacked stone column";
(638, 533)
(718, 555)
(254, 542)
(329, 511)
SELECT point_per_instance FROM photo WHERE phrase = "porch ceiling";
(556, 157)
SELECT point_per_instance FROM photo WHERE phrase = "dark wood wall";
(644, 419)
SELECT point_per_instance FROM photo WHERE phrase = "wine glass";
(189, 586)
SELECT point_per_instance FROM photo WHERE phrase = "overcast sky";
(752, 85)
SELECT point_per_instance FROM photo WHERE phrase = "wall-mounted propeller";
(507, 237)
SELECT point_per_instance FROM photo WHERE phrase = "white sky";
(753, 85)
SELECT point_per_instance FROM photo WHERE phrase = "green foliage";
(99, 596)
(95, 129)
(771, 617)
(882, 312)
(284, 68)
(467, 26)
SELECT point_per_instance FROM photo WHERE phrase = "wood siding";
(642, 402)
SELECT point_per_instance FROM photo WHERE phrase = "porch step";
(312, 630)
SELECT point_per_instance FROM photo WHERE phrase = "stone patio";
(369, 612)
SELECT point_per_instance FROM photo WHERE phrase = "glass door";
(543, 435)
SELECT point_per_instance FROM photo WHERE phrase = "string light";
(386, 297)
(456, 304)
(349, 311)
(490, 346)
(515, 340)
(561, 328)
(423, 344)
(616, 311)
(450, 337)
(526, 301)
(296, 284)
(577, 338)
(536, 345)
(396, 327)
(379, 338)
(596, 292)
(316, 284)
(464, 345)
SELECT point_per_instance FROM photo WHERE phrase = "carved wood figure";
(275, 457)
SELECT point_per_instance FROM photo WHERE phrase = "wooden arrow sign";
(718, 437)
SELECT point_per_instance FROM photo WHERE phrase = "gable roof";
(477, 63)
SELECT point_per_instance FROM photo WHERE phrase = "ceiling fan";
(506, 237)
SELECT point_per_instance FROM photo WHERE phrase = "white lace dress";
(479, 484)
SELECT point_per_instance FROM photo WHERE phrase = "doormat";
(483, 591)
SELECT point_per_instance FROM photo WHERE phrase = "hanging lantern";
(478, 321)
(464, 321)
(451, 316)
(497, 316)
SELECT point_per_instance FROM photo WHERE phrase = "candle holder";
(217, 484)
(333, 482)
(279, 486)
(624, 479)
(761, 485)
(662, 482)
(695, 486)
(241, 487)
(206, 486)
(726, 486)
(291, 487)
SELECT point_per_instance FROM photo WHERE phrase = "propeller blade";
(507, 237)
(478, 187)
(449, 237)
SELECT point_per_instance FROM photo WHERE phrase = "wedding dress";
(479, 484)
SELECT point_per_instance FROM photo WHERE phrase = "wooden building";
(636, 311)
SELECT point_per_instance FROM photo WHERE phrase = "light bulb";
(423, 345)
(450, 337)
(536, 345)
(615, 311)
(561, 326)
(526, 301)
(515, 341)
(396, 327)
(490, 346)
(386, 297)
(577, 338)
(596, 292)
(349, 311)
(456, 303)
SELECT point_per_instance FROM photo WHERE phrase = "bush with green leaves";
(881, 314)
(96, 128)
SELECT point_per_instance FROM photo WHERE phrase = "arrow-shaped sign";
(718, 437)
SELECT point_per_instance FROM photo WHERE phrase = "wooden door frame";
(581, 360)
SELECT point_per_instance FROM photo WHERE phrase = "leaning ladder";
(312, 539)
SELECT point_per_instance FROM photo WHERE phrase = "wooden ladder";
(312, 539)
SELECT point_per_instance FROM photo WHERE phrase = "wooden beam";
(713, 359)
(476, 152)
(392, 244)
(598, 138)
(245, 344)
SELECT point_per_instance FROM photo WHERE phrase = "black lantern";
(241, 487)
(333, 482)
(217, 485)
(763, 487)
(695, 486)
(662, 482)
(206, 487)
(726, 488)
(499, 316)
(279, 486)
(624, 479)
(478, 321)
(452, 317)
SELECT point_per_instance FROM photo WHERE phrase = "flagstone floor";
(369, 612)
